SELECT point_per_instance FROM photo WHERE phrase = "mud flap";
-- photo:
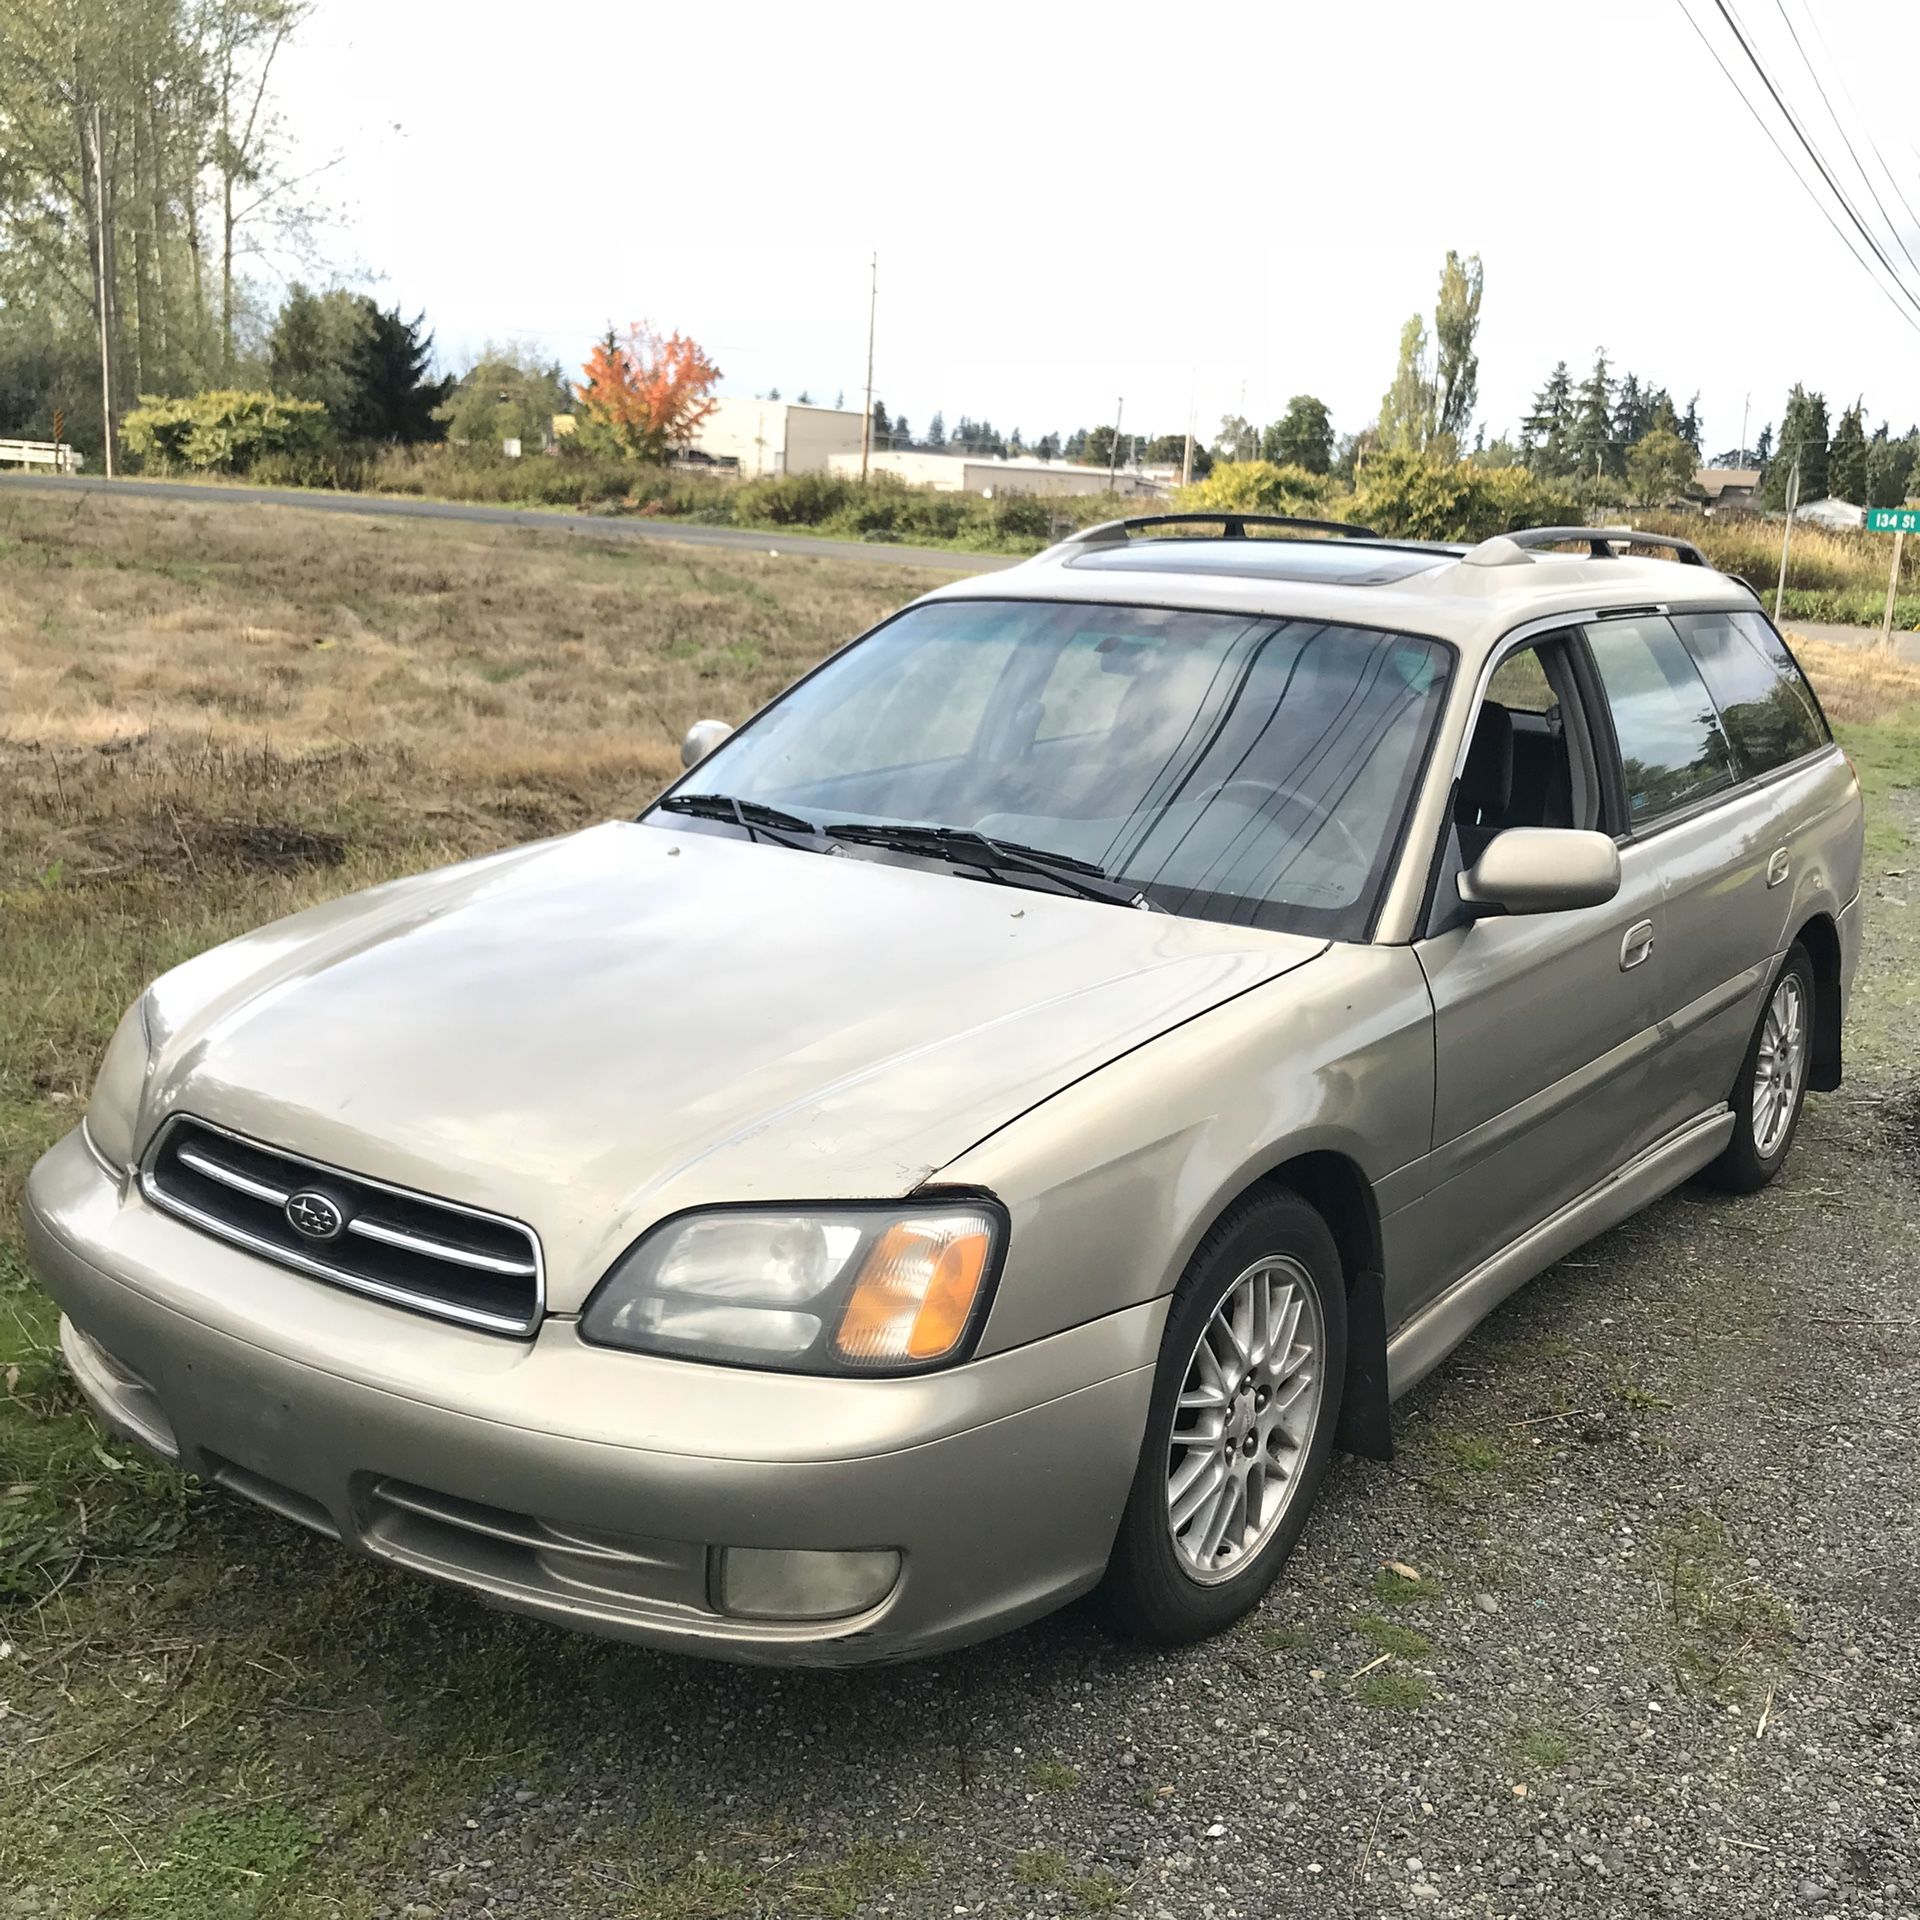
(1366, 1426)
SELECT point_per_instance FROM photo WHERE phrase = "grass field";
(208, 717)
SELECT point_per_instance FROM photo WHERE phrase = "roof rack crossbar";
(1601, 541)
(1233, 526)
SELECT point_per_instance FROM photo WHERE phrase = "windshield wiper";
(965, 847)
(754, 816)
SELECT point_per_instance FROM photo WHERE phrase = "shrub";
(1258, 486)
(224, 432)
(1413, 496)
(795, 499)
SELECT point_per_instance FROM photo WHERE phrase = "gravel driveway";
(1662, 1654)
(1632, 1626)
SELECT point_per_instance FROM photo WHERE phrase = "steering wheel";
(1260, 794)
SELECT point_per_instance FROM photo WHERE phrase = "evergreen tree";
(1590, 445)
(882, 427)
(1890, 467)
(1632, 411)
(1544, 431)
(937, 431)
(1763, 447)
(1690, 424)
(363, 363)
(1803, 438)
(1847, 459)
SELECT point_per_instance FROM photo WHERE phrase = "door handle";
(1777, 867)
(1636, 944)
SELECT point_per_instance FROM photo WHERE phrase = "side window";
(1672, 748)
(1769, 713)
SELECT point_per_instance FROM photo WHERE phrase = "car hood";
(591, 1033)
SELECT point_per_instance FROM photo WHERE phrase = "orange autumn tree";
(647, 392)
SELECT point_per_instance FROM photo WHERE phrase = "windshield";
(1230, 766)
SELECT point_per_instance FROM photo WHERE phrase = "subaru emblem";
(314, 1217)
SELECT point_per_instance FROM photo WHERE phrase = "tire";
(1162, 1584)
(1763, 1128)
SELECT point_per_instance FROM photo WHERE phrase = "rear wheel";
(1241, 1424)
(1772, 1086)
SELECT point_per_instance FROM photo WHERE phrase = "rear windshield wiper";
(754, 815)
(964, 847)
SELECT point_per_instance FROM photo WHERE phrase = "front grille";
(407, 1248)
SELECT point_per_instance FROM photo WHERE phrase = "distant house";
(1729, 489)
(758, 437)
(1832, 513)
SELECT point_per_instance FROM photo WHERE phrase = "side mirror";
(1542, 870)
(702, 737)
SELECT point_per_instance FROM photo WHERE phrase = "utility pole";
(100, 265)
(1786, 538)
(1745, 407)
(1893, 588)
(1186, 458)
(866, 424)
(1113, 452)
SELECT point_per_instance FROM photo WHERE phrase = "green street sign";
(1893, 519)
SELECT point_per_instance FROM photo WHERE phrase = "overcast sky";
(1074, 203)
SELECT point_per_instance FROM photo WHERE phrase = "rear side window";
(1768, 711)
(1672, 747)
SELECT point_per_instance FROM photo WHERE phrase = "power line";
(1845, 137)
(1774, 140)
(1839, 73)
(1813, 153)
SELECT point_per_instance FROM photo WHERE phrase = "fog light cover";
(781, 1583)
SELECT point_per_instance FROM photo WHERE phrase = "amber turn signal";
(917, 1290)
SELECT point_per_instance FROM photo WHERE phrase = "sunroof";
(1353, 563)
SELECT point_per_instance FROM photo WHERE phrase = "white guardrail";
(40, 453)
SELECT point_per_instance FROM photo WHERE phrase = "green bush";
(1413, 496)
(796, 499)
(224, 432)
(1838, 606)
(1259, 486)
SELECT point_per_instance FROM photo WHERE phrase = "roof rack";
(1504, 549)
(1233, 526)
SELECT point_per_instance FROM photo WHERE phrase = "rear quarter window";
(1764, 702)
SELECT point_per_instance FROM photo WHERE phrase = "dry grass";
(180, 682)
(1858, 686)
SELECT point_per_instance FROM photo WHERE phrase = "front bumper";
(589, 1487)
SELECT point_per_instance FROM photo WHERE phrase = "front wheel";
(1772, 1086)
(1240, 1428)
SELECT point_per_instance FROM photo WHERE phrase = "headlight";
(848, 1289)
(113, 1111)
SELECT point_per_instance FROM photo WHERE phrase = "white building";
(776, 436)
(981, 474)
(1832, 513)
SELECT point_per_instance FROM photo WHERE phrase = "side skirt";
(1433, 1333)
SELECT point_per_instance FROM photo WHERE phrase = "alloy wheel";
(1780, 1067)
(1244, 1419)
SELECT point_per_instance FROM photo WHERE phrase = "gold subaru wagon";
(1012, 1109)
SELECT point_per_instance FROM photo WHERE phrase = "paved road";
(1906, 646)
(399, 507)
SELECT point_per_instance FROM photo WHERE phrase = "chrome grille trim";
(254, 1189)
(418, 1292)
(434, 1249)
